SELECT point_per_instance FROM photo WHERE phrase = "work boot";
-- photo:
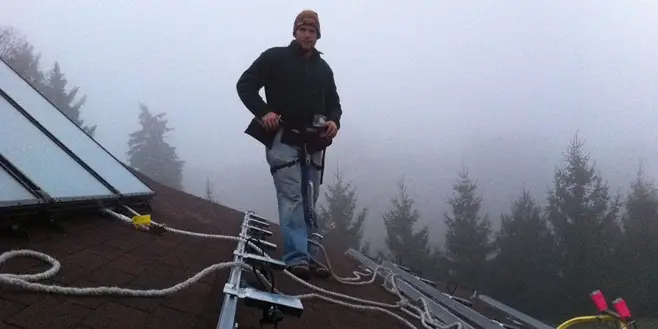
(301, 271)
(319, 271)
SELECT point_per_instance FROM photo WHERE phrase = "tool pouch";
(298, 137)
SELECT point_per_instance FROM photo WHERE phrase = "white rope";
(425, 317)
(25, 281)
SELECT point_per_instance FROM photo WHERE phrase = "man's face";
(306, 36)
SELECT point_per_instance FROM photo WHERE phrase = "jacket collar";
(295, 47)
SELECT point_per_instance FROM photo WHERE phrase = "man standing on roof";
(296, 125)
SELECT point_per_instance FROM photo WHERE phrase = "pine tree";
(406, 245)
(19, 54)
(468, 233)
(641, 246)
(210, 191)
(524, 268)
(55, 90)
(584, 218)
(151, 155)
(642, 209)
(339, 216)
(9, 39)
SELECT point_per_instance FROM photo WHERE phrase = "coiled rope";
(27, 282)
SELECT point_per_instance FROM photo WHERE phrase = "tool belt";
(304, 137)
(308, 142)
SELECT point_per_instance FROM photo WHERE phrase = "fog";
(426, 88)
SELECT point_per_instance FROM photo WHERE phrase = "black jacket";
(295, 87)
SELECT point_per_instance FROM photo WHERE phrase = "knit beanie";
(307, 17)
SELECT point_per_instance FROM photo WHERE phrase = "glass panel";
(11, 190)
(41, 160)
(68, 133)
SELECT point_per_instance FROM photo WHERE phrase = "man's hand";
(271, 121)
(331, 131)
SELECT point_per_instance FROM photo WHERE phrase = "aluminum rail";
(514, 312)
(459, 309)
(408, 290)
(230, 305)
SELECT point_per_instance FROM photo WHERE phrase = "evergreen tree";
(468, 233)
(151, 155)
(19, 54)
(584, 218)
(55, 90)
(339, 216)
(641, 244)
(524, 268)
(9, 39)
(406, 245)
(642, 209)
(210, 191)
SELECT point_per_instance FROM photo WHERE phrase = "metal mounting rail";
(274, 305)
(230, 305)
(438, 311)
(459, 309)
(514, 312)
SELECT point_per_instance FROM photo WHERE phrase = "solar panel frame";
(514, 312)
(145, 195)
(16, 120)
(22, 201)
(19, 208)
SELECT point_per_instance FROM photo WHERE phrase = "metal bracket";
(257, 220)
(257, 232)
(410, 271)
(406, 269)
(254, 260)
(255, 298)
(430, 282)
(261, 244)
(458, 299)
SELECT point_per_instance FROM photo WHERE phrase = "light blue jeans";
(296, 226)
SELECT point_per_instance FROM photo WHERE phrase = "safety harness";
(308, 161)
(306, 142)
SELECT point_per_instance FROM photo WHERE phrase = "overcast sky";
(425, 86)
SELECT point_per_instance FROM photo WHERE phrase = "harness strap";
(285, 165)
(296, 161)
(324, 153)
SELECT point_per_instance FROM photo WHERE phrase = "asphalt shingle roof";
(96, 250)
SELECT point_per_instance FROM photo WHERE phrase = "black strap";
(316, 166)
(324, 153)
(298, 160)
(285, 165)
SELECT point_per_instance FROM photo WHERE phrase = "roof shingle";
(97, 250)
